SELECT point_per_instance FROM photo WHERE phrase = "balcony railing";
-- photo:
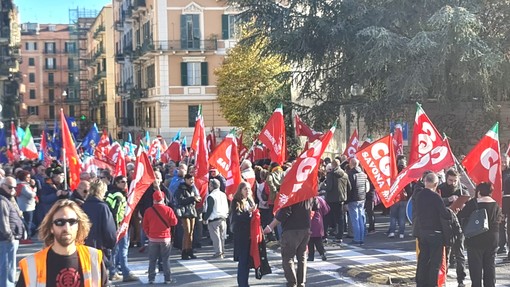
(119, 26)
(139, 5)
(177, 45)
(72, 100)
(98, 53)
(137, 93)
(100, 29)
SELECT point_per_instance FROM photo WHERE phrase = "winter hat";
(158, 196)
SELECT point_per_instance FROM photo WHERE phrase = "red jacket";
(154, 227)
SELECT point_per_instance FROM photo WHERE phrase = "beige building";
(104, 103)
(10, 58)
(167, 52)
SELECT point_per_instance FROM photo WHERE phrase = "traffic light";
(83, 117)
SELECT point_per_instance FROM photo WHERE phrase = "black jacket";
(359, 185)
(185, 196)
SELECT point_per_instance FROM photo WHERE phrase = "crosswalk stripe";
(407, 255)
(204, 269)
(355, 256)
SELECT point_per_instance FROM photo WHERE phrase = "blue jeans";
(243, 268)
(357, 217)
(398, 214)
(120, 256)
(8, 250)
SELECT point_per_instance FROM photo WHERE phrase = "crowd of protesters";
(172, 212)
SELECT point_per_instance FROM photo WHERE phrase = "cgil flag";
(226, 159)
(70, 153)
(273, 136)
(483, 162)
(301, 181)
(352, 146)
(425, 135)
(303, 129)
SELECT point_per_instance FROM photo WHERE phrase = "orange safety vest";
(34, 267)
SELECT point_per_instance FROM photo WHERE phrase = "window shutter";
(184, 74)
(204, 77)
(196, 31)
(184, 34)
(224, 27)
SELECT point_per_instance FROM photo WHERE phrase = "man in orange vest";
(65, 261)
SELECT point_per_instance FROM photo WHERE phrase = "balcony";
(128, 14)
(180, 46)
(49, 84)
(100, 97)
(119, 58)
(139, 6)
(50, 68)
(97, 77)
(96, 55)
(136, 93)
(73, 100)
(119, 26)
(144, 50)
(99, 30)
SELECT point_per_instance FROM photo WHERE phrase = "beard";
(65, 239)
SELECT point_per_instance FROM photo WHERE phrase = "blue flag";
(3, 147)
(147, 140)
(177, 136)
(56, 141)
(73, 127)
(91, 139)
(21, 134)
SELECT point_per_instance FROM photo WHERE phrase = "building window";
(70, 78)
(33, 110)
(51, 112)
(51, 95)
(49, 48)
(71, 111)
(70, 47)
(229, 27)
(51, 78)
(194, 74)
(192, 115)
(51, 63)
(52, 28)
(151, 76)
(31, 77)
(70, 63)
(190, 31)
(31, 46)
(32, 94)
(31, 62)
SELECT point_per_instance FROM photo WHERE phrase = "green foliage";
(251, 85)
(401, 51)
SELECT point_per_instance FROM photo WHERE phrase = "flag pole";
(63, 152)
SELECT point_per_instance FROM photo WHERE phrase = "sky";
(54, 11)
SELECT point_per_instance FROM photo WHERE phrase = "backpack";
(451, 229)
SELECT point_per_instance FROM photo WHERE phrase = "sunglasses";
(62, 221)
(9, 186)
(123, 181)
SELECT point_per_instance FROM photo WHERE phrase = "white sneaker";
(391, 235)
(401, 236)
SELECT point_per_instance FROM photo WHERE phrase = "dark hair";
(22, 175)
(188, 176)
(484, 188)
(452, 172)
(119, 178)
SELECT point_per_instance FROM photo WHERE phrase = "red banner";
(425, 136)
(379, 162)
(273, 136)
(303, 130)
(71, 153)
(301, 181)
(142, 179)
(436, 160)
(226, 159)
(102, 147)
(398, 140)
(120, 164)
(483, 163)
(352, 145)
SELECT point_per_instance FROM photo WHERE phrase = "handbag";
(477, 223)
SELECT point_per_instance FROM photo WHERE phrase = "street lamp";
(357, 91)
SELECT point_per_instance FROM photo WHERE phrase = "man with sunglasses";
(11, 230)
(65, 260)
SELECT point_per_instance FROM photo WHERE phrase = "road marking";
(357, 256)
(407, 255)
(204, 269)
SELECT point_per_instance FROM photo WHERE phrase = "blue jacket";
(103, 233)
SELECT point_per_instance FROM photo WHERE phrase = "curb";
(384, 273)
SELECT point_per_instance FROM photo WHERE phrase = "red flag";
(273, 136)
(352, 145)
(120, 164)
(173, 152)
(398, 140)
(16, 153)
(113, 153)
(303, 130)
(154, 147)
(483, 163)
(436, 160)
(425, 136)
(226, 160)
(102, 147)
(211, 143)
(199, 146)
(379, 162)
(70, 153)
(301, 181)
(142, 179)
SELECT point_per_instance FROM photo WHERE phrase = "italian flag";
(28, 146)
